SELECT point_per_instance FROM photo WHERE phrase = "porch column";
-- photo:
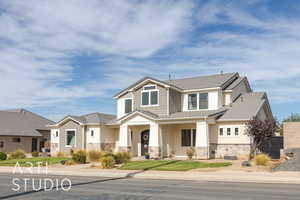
(202, 140)
(124, 138)
(154, 140)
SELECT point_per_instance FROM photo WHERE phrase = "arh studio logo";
(37, 183)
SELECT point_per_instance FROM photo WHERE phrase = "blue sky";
(71, 57)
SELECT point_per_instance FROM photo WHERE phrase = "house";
(22, 129)
(166, 118)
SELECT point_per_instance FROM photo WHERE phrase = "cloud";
(39, 41)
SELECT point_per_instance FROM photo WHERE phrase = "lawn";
(170, 165)
(34, 161)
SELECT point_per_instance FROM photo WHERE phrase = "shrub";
(70, 162)
(122, 157)
(107, 162)
(262, 159)
(61, 155)
(3, 156)
(71, 152)
(190, 153)
(79, 156)
(35, 154)
(18, 154)
(94, 156)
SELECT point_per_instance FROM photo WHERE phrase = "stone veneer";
(221, 150)
(155, 152)
(108, 147)
(202, 152)
(54, 149)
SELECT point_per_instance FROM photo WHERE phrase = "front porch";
(164, 139)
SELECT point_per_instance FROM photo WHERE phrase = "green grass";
(34, 161)
(170, 165)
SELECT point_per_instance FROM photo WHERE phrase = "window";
(1, 144)
(203, 101)
(128, 106)
(188, 137)
(192, 101)
(236, 131)
(92, 133)
(150, 96)
(151, 87)
(18, 140)
(70, 138)
(56, 133)
(221, 132)
(228, 131)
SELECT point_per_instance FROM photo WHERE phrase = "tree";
(294, 117)
(260, 131)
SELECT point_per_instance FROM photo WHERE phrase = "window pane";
(194, 137)
(203, 101)
(154, 98)
(221, 131)
(228, 131)
(236, 130)
(186, 137)
(145, 98)
(192, 100)
(1, 144)
(150, 87)
(16, 140)
(56, 133)
(128, 105)
(70, 138)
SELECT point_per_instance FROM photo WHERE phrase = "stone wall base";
(124, 149)
(108, 147)
(202, 152)
(220, 150)
(155, 152)
(54, 149)
(93, 146)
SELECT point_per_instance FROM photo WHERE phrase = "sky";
(70, 57)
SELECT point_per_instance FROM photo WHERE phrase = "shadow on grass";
(129, 175)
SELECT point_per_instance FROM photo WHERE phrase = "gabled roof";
(203, 82)
(245, 107)
(237, 81)
(199, 82)
(92, 118)
(21, 122)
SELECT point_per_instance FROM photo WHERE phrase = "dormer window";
(198, 101)
(203, 101)
(192, 98)
(150, 95)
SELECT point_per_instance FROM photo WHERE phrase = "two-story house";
(165, 118)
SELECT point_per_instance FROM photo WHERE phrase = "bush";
(262, 159)
(79, 156)
(94, 156)
(18, 154)
(70, 162)
(35, 154)
(61, 155)
(3, 156)
(190, 153)
(107, 162)
(122, 157)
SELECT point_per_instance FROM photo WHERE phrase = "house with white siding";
(165, 118)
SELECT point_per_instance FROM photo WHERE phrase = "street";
(137, 189)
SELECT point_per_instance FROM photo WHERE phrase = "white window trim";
(197, 103)
(232, 132)
(66, 131)
(192, 140)
(125, 105)
(149, 96)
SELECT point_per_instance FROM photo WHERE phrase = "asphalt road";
(138, 189)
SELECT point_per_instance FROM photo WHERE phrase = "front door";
(145, 142)
(34, 145)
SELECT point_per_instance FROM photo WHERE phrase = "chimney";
(221, 72)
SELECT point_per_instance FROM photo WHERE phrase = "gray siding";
(161, 109)
(79, 133)
(174, 101)
(241, 88)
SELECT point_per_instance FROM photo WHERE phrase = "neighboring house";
(166, 118)
(291, 135)
(22, 129)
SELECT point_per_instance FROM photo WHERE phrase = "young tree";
(260, 131)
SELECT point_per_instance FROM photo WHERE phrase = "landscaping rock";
(293, 164)
(63, 162)
(246, 164)
(230, 158)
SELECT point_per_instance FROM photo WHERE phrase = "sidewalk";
(221, 176)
